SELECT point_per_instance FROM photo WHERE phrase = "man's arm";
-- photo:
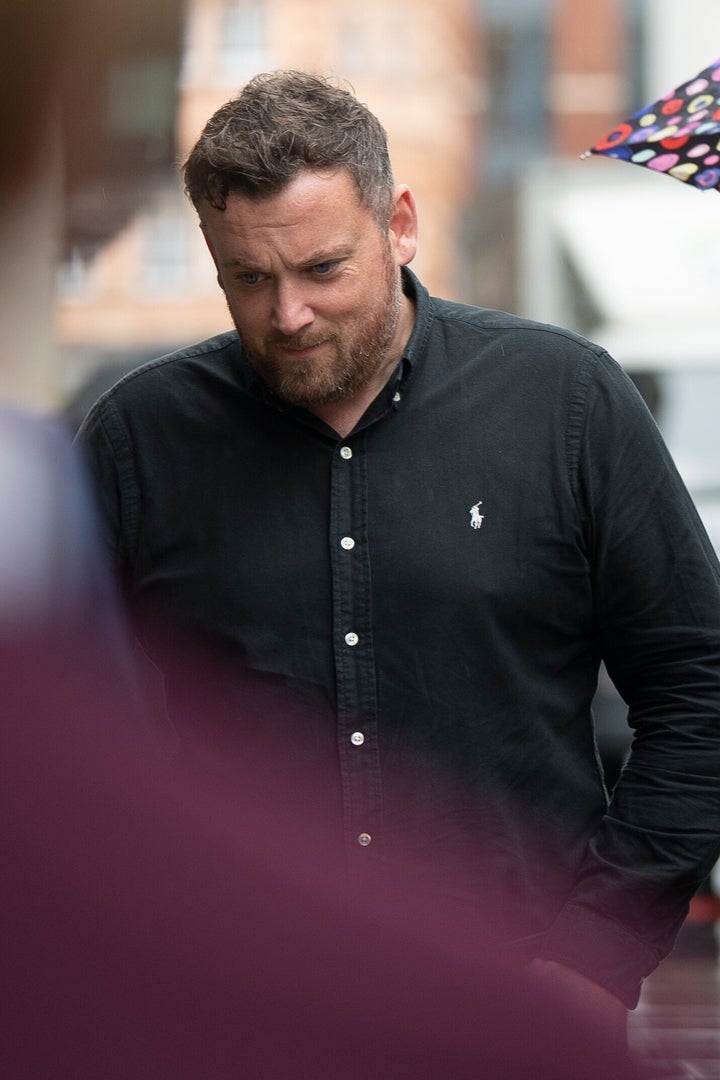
(107, 453)
(657, 613)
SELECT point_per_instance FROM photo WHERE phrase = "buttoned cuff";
(601, 949)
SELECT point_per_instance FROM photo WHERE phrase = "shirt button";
(364, 839)
(345, 452)
(351, 638)
(347, 542)
(357, 738)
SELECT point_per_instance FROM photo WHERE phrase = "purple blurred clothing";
(161, 923)
(57, 590)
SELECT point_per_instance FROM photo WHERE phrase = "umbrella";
(678, 135)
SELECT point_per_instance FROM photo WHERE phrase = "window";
(164, 261)
(72, 277)
(241, 37)
(516, 78)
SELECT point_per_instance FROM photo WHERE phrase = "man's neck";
(343, 416)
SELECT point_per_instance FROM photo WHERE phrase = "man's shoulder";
(215, 358)
(489, 321)
(173, 389)
(493, 340)
(471, 334)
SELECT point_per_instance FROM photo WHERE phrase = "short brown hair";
(283, 122)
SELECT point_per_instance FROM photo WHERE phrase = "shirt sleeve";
(106, 449)
(657, 621)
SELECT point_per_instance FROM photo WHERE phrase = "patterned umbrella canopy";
(678, 135)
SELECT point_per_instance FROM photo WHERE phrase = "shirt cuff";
(601, 949)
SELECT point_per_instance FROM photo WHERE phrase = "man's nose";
(291, 312)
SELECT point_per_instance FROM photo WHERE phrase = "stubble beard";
(354, 358)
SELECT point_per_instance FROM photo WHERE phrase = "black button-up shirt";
(415, 615)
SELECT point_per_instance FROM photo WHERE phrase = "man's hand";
(591, 1004)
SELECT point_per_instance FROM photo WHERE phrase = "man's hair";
(281, 123)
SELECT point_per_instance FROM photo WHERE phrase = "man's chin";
(308, 388)
(312, 398)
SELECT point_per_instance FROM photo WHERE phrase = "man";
(404, 532)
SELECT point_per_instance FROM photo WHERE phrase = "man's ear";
(211, 249)
(403, 226)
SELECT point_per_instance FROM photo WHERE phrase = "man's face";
(313, 286)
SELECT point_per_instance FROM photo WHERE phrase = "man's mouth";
(300, 348)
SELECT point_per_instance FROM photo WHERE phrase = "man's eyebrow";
(323, 255)
(315, 258)
(238, 262)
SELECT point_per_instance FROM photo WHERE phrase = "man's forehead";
(302, 189)
(319, 214)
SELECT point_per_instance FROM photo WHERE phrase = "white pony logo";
(476, 518)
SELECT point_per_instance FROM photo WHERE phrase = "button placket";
(354, 657)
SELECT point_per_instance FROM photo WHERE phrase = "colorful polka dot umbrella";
(678, 135)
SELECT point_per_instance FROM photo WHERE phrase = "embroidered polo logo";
(476, 518)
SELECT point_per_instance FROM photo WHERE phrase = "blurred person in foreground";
(402, 533)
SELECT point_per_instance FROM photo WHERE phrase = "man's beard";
(353, 361)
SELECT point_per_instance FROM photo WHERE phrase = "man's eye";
(323, 268)
(250, 278)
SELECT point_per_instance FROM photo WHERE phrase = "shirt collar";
(421, 329)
